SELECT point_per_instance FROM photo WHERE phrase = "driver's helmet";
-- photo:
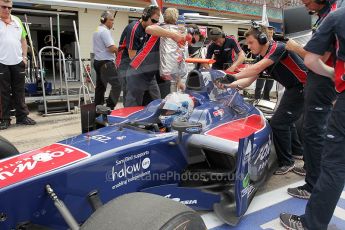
(176, 106)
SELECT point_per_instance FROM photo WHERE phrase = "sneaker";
(300, 171)
(291, 222)
(284, 169)
(297, 156)
(4, 124)
(299, 192)
(26, 121)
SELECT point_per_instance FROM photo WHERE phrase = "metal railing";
(271, 3)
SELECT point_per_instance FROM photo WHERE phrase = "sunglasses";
(154, 20)
(6, 7)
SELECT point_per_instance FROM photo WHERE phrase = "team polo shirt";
(224, 54)
(331, 31)
(329, 7)
(11, 52)
(102, 39)
(147, 59)
(133, 38)
(288, 68)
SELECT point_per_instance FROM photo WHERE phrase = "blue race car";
(208, 154)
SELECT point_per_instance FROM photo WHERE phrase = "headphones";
(148, 12)
(260, 36)
(104, 17)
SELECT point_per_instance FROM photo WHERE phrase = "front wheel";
(7, 149)
(137, 211)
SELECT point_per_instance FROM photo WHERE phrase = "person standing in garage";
(104, 49)
(13, 59)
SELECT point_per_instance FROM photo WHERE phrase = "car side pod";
(183, 126)
(234, 202)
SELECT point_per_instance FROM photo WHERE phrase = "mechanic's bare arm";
(314, 62)
(132, 53)
(158, 31)
(113, 49)
(239, 61)
(241, 83)
(254, 70)
(293, 46)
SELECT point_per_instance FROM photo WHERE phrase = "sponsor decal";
(246, 181)
(99, 138)
(263, 156)
(130, 168)
(193, 130)
(36, 162)
(186, 202)
(219, 112)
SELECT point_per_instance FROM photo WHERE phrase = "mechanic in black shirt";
(319, 98)
(144, 66)
(224, 48)
(288, 69)
(132, 39)
(330, 183)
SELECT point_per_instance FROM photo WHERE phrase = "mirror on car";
(183, 126)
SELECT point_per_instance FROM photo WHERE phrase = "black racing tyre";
(137, 211)
(7, 149)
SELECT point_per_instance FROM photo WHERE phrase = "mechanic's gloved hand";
(228, 79)
(223, 82)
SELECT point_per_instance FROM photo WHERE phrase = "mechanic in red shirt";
(330, 183)
(288, 69)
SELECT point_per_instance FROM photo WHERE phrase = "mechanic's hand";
(180, 39)
(205, 66)
(25, 60)
(291, 45)
(180, 86)
(228, 79)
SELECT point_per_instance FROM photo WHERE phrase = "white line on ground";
(340, 213)
(342, 195)
(259, 202)
(273, 224)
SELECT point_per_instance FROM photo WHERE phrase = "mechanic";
(172, 56)
(144, 66)
(175, 106)
(13, 60)
(132, 39)
(288, 69)
(261, 82)
(104, 64)
(319, 97)
(330, 183)
(223, 48)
